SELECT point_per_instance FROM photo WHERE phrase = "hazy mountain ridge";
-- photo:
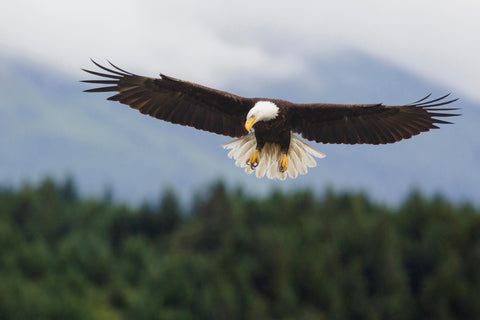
(48, 126)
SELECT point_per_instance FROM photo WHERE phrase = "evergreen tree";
(233, 256)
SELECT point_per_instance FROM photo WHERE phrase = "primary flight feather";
(271, 148)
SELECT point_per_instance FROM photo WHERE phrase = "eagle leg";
(283, 163)
(253, 160)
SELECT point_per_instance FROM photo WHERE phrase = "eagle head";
(261, 111)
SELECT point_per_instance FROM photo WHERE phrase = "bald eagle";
(265, 127)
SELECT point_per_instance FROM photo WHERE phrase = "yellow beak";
(250, 122)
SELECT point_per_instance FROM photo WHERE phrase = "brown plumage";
(190, 104)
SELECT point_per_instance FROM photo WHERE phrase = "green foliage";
(233, 256)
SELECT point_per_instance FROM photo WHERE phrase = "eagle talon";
(253, 160)
(283, 164)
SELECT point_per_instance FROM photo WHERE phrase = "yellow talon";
(253, 160)
(283, 164)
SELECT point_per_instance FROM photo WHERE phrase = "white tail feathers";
(299, 157)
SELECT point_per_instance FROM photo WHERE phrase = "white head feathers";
(263, 111)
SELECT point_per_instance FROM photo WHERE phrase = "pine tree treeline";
(233, 256)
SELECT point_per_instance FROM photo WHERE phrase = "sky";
(211, 42)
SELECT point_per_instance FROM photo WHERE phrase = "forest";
(230, 255)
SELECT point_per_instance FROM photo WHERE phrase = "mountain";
(48, 126)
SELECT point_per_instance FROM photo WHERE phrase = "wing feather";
(174, 100)
(368, 123)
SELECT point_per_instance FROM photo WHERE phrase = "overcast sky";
(210, 41)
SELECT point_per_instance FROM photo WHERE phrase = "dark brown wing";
(367, 123)
(176, 101)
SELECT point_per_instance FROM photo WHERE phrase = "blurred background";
(108, 214)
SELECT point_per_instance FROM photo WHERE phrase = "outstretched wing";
(176, 101)
(367, 123)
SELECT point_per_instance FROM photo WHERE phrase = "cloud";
(214, 41)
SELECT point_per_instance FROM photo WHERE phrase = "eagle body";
(265, 128)
(274, 129)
